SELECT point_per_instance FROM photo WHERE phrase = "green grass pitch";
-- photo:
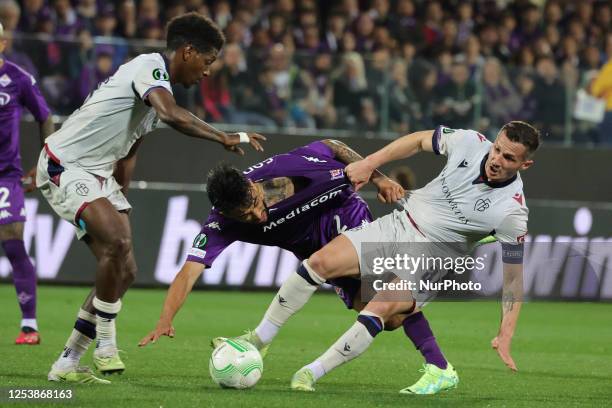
(563, 351)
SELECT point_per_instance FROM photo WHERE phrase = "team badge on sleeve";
(160, 74)
(336, 174)
(200, 241)
(197, 248)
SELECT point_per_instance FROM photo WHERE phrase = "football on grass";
(235, 364)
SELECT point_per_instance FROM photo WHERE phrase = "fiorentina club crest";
(336, 174)
(5, 80)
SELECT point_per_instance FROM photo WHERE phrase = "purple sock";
(418, 331)
(24, 276)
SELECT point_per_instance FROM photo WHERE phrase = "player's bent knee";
(320, 264)
(119, 248)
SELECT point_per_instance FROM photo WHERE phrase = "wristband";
(244, 138)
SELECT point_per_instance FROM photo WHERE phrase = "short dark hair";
(228, 188)
(194, 29)
(523, 133)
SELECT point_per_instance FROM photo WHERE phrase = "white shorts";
(384, 238)
(69, 189)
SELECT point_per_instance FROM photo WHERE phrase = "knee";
(130, 271)
(119, 248)
(321, 264)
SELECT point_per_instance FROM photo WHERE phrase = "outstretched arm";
(512, 299)
(388, 190)
(186, 122)
(360, 172)
(177, 293)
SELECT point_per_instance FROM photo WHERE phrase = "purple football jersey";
(302, 223)
(18, 89)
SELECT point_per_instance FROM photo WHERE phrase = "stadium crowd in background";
(400, 65)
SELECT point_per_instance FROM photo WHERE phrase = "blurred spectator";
(350, 90)
(432, 37)
(30, 15)
(227, 97)
(526, 85)
(319, 103)
(602, 88)
(455, 100)
(126, 17)
(404, 109)
(335, 28)
(502, 101)
(9, 14)
(94, 74)
(551, 100)
(404, 24)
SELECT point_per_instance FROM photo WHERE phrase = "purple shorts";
(12, 208)
(346, 288)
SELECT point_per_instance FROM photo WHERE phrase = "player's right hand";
(162, 329)
(359, 173)
(233, 140)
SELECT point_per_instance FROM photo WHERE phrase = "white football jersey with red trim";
(112, 118)
(459, 205)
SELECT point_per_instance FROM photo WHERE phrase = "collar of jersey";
(482, 177)
(166, 62)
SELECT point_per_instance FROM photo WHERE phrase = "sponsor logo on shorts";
(5, 214)
(81, 189)
(482, 205)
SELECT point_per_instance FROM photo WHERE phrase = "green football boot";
(107, 361)
(303, 380)
(433, 380)
(248, 336)
(78, 375)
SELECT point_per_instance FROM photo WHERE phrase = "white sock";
(266, 331)
(291, 297)
(29, 323)
(317, 369)
(105, 326)
(77, 343)
(351, 344)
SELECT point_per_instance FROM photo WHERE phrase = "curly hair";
(194, 29)
(227, 188)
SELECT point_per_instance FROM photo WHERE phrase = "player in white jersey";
(85, 168)
(479, 192)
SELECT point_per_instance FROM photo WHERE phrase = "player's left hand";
(501, 344)
(388, 190)
(29, 181)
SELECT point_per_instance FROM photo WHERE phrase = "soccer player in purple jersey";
(18, 89)
(298, 201)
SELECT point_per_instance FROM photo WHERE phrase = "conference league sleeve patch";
(197, 249)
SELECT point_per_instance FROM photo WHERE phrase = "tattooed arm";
(388, 190)
(512, 299)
